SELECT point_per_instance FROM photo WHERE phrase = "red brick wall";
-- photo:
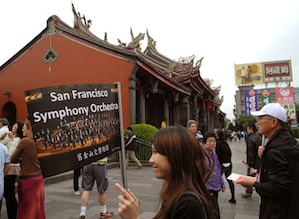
(76, 64)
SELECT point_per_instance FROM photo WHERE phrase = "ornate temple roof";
(183, 74)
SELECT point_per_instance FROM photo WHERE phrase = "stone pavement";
(63, 204)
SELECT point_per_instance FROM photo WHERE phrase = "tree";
(244, 120)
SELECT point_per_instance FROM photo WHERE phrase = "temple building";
(153, 86)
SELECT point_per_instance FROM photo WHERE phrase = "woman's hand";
(128, 205)
(9, 134)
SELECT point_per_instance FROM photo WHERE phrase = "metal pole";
(122, 151)
(263, 141)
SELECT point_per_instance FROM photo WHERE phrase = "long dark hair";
(28, 125)
(20, 125)
(221, 135)
(188, 168)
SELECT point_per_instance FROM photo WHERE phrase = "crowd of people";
(190, 164)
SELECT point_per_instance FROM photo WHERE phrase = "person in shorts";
(95, 172)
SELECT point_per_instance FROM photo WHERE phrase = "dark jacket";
(253, 143)
(131, 144)
(187, 207)
(223, 151)
(279, 184)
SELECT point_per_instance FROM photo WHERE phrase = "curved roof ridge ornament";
(135, 43)
(76, 16)
(186, 60)
(150, 41)
(198, 63)
(78, 19)
(172, 67)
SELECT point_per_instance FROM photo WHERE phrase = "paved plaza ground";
(61, 203)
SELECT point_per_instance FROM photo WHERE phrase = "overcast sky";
(224, 32)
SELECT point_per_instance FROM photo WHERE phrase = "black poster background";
(72, 129)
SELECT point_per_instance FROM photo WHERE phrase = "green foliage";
(231, 127)
(143, 131)
(295, 131)
(244, 120)
(226, 121)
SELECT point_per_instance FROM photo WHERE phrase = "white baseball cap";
(272, 109)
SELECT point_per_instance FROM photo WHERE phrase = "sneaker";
(245, 195)
(232, 201)
(82, 217)
(77, 193)
(138, 168)
(107, 215)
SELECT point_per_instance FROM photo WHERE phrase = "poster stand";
(122, 151)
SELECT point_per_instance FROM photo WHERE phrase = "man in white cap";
(278, 184)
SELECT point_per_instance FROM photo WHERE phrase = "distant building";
(240, 99)
(296, 95)
(240, 108)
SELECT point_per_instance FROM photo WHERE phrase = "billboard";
(266, 96)
(249, 73)
(263, 72)
(250, 101)
(279, 71)
(73, 125)
(285, 97)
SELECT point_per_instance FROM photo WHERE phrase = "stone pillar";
(212, 127)
(176, 112)
(184, 110)
(166, 111)
(141, 105)
(132, 93)
(208, 117)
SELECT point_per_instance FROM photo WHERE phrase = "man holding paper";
(279, 179)
(253, 160)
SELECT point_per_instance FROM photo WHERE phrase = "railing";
(143, 154)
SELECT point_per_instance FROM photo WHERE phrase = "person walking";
(253, 160)
(4, 168)
(31, 194)
(77, 173)
(278, 184)
(9, 181)
(131, 148)
(164, 123)
(180, 162)
(192, 127)
(214, 183)
(4, 123)
(225, 155)
(95, 172)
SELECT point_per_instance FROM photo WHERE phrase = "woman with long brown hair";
(179, 160)
(31, 194)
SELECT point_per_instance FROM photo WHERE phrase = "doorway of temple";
(9, 112)
(154, 110)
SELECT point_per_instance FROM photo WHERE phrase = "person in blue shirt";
(215, 182)
(4, 167)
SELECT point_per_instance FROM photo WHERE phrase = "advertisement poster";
(285, 97)
(73, 125)
(278, 71)
(250, 101)
(266, 96)
(249, 73)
